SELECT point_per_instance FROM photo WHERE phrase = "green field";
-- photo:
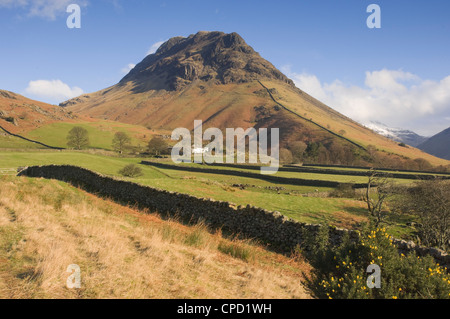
(291, 200)
(101, 133)
(356, 169)
(303, 203)
(301, 175)
(12, 142)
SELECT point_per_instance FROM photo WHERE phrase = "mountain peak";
(205, 56)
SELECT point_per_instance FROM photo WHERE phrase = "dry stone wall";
(268, 178)
(270, 227)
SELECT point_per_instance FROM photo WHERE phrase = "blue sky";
(399, 74)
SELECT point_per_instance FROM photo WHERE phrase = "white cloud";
(154, 47)
(48, 9)
(52, 91)
(128, 68)
(394, 97)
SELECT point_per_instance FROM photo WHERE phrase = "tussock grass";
(236, 249)
(198, 236)
(46, 225)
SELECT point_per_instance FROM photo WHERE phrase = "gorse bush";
(340, 272)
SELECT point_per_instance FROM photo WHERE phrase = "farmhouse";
(200, 150)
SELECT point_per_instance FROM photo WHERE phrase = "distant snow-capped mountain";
(397, 134)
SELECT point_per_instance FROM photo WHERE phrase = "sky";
(398, 74)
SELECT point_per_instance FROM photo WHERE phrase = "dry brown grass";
(31, 114)
(124, 253)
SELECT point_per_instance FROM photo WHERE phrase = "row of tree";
(296, 152)
(339, 153)
(317, 152)
(78, 138)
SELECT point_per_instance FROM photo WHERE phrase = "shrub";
(423, 164)
(344, 191)
(340, 272)
(131, 170)
(429, 200)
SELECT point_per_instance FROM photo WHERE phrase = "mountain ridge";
(438, 145)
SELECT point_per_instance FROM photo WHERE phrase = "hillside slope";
(45, 226)
(19, 114)
(438, 145)
(28, 124)
(219, 79)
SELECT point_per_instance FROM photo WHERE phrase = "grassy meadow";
(16, 143)
(101, 133)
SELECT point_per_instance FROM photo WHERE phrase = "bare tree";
(379, 189)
